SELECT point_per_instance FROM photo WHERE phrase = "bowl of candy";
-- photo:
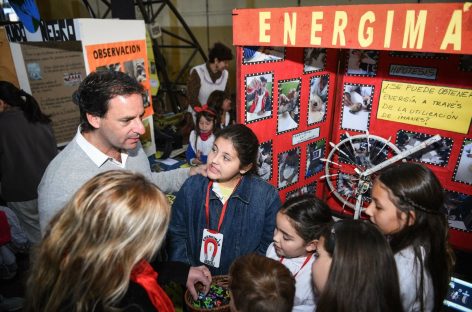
(217, 298)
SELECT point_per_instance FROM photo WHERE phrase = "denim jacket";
(248, 225)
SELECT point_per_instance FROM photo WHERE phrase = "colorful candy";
(217, 296)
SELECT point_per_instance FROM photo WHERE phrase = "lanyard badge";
(210, 252)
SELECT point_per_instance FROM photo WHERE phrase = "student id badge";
(210, 252)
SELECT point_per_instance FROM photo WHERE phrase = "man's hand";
(199, 274)
(202, 169)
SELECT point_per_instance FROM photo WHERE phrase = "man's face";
(121, 126)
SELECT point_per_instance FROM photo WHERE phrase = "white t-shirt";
(409, 278)
(304, 300)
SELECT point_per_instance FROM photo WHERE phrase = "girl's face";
(226, 106)
(321, 267)
(221, 65)
(287, 242)
(205, 125)
(223, 163)
(383, 212)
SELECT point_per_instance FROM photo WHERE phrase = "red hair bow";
(204, 108)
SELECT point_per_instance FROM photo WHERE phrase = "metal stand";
(150, 10)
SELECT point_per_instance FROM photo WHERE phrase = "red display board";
(302, 100)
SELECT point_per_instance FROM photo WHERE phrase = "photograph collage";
(308, 100)
(290, 113)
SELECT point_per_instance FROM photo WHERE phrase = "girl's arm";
(272, 206)
(178, 229)
(190, 154)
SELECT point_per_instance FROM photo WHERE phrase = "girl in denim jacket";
(228, 214)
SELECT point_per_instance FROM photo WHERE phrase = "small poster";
(264, 160)
(54, 72)
(357, 105)
(289, 167)
(315, 60)
(288, 113)
(318, 101)
(261, 54)
(463, 171)
(362, 62)
(258, 96)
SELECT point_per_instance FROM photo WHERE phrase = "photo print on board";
(264, 160)
(314, 152)
(435, 154)
(146, 138)
(318, 100)
(259, 96)
(346, 186)
(465, 62)
(361, 154)
(314, 60)
(260, 54)
(306, 189)
(357, 105)
(362, 62)
(288, 112)
(425, 55)
(72, 78)
(113, 67)
(458, 209)
(34, 71)
(135, 68)
(146, 99)
(463, 170)
(289, 167)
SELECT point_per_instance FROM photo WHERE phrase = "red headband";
(204, 108)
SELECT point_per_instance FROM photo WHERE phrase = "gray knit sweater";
(69, 170)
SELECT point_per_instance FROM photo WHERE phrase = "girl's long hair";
(413, 187)
(363, 275)
(15, 97)
(215, 101)
(85, 260)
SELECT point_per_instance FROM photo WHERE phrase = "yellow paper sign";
(436, 107)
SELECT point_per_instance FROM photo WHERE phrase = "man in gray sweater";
(111, 107)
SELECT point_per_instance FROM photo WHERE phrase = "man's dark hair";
(97, 89)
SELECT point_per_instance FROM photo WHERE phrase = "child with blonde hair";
(97, 251)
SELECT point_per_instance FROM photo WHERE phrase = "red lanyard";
(304, 263)
(223, 210)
